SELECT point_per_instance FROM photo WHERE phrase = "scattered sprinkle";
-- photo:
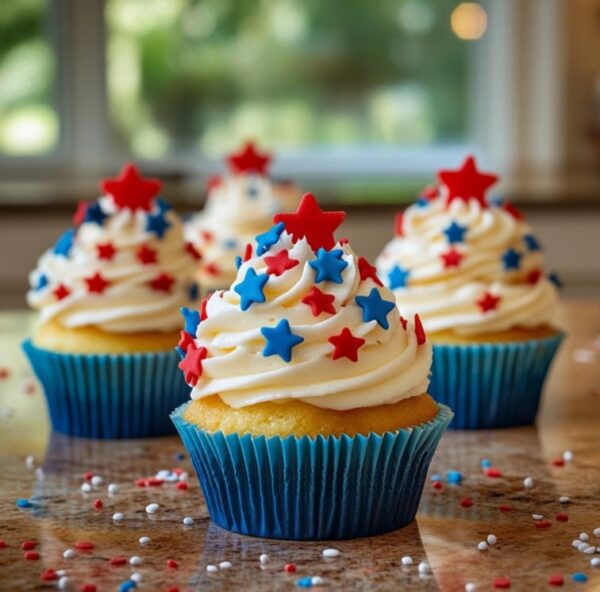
(543, 524)
(212, 568)
(119, 560)
(317, 581)
(188, 521)
(96, 481)
(304, 582)
(482, 546)
(505, 508)
(330, 553)
(556, 580)
(486, 464)
(537, 516)
(597, 532)
(136, 576)
(563, 499)
(584, 536)
(528, 483)
(562, 517)
(136, 560)
(289, 568)
(127, 585)
(152, 508)
(84, 545)
(567, 456)
(424, 567)
(579, 576)
(467, 502)
(493, 472)
(23, 503)
(28, 545)
(172, 564)
(144, 541)
(29, 461)
(502, 582)
(113, 488)
(31, 555)
(454, 477)
(118, 516)
(492, 539)
(182, 485)
(264, 559)
(595, 562)
(470, 587)
(98, 504)
(63, 583)
(48, 575)
(86, 487)
(69, 554)
(406, 561)
(225, 565)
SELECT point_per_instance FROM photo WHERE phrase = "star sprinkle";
(430, 192)
(106, 251)
(419, 331)
(280, 263)
(249, 160)
(162, 204)
(368, 271)
(346, 345)
(193, 291)
(146, 255)
(467, 182)
(513, 211)
(191, 365)
(94, 213)
(451, 258)
(399, 224)
(329, 266)
(80, 211)
(61, 292)
(488, 302)
(185, 341)
(247, 252)
(511, 259)
(398, 277)
(213, 182)
(64, 243)
(280, 340)
(531, 242)
(455, 233)
(130, 190)
(157, 224)
(192, 319)
(96, 284)
(269, 238)
(319, 301)
(375, 308)
(312, 223)
(251, 288)
(42, 282)
(534, 276)
(555, 279)
(191, 249)
(162, 282)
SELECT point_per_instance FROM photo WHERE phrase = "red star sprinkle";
(488, 302)
(106, 251)
(203, 305)
(247, 252)
(79, 215)
(185, 341)
(61, 291)
(533, 277)
(311, 222)
(212, 269)
(319, 301)
(96, 284)
(280, 263)
(344, 241)
(467, 182)
(466, 502)
(346, 345)
(49, 575)
(146, 255)
(420, 331)
(191, 365)
(206, 235)
(130, 190)
(399, 224)
(213, 182)
(367, 271)
(162, 282)
(430, 192)
(249, 160)
(403, 322)
(513, 211)
(189, 247)
(451, 258)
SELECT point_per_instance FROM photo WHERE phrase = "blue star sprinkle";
(41, 283)
(280, 340)
(555, 279)
(193, 291)
(375, 308)
(192, 319)
(511, 259)
(238, 261)
(163, 204)
(230, 243)
(422, 202)
(157, 224)
(329, 266)
(398, 277)
(455, 233)
(251, 289)
(532, 242)
(252, 191)
(94, 213)
(64, 243)
(269, 238)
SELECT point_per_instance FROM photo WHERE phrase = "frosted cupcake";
(474, 271)
(239, 206)
(108, 294)
(310, 417)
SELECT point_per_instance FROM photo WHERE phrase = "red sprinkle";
(87, 476)
(562, 517)
(558, 462)
(31, 555)
(505, 508)
(556, 580)
(48, 575)
(289, 568)
(28, 545)
(141, 482)
(173, 589)
(4, 373)
(182, 485)
(84, 546)
(88, 588)
(502, 582)
(543, 524)
(437, 485)
(466, 502)
(3, 544)
(494, 473)
(172, 563)
(98, 504)
(118, 560)
(154, 482)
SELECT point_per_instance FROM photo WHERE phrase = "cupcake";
(108, 294)
(309, 417)
(474, 271)
(239, 206)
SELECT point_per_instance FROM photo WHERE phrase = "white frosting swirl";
(238, 208)
(129, 303)
(447, 297)
(391, 365)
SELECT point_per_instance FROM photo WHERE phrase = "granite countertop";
(528, 552)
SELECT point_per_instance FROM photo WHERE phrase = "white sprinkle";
(537, 516)
(188, 521)
(590, 550)
(184, 476)
(584, 356)
(330, 553)
(86, 487)
(39, 474)
(163, 474)
(29, 461)
(597, 532)
(424, 567)
(136, 560)
(63, 583)
(144, 540)
(212, 568)
(317, 581)
(113, 488)
(152, 508)
(584, 536)
(582, 546)
(97, 481)
(482, 546)
(567, 456)
(225, 565)
(595, 562)
(136, 576)
(576, 543)
(61, 572)
(69, 554)
(264, 558)
(491, 539)
(406, 561)
(564, 499)
(470, 587)
(528, 483)
(118, 516)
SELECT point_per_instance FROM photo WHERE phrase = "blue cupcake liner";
(304, 488)
(492, 385)
(109, 396)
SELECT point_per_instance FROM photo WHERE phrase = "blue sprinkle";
(180, 352)
(238, 262)
(64, 243)
(422, 202)
(486, 464)
(41, 283)
(454, 477)
(579, 577)
(230, 244)
(304, 582)
(496, 200)
(127, 585)
(180, 456)
(252, 191)
(193, 292)
(436, 477)
(24, 503)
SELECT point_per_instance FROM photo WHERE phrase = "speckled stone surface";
(445, 534)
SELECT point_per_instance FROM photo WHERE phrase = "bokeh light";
(469, 21)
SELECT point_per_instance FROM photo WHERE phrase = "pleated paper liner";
(109, 396)
(304, 488)
(492, 385)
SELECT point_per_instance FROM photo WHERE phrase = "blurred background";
(360, 101)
